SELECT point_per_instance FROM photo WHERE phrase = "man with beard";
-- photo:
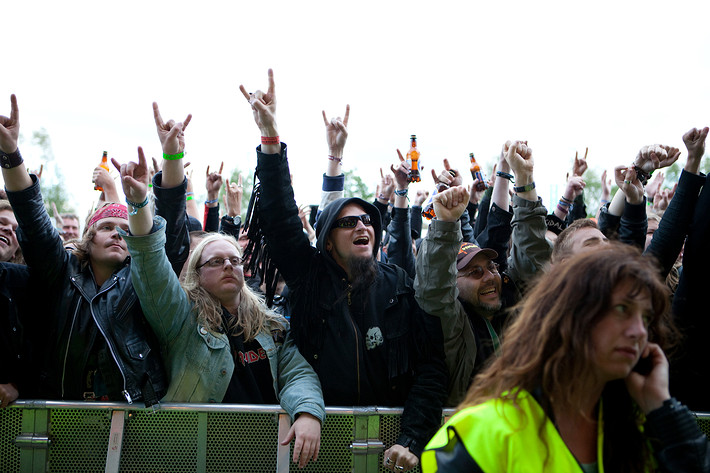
(461, 283)
(353, 318)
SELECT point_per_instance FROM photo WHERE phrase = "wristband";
(174, 157)
(270, 140)
(189, 197)
(604, 201)
(189, 193)
(505, 175)
(564, 210)
(401, 193)
(642, 175)
(382, 196)
(213, 201)
(563, 203)
(565, 199)
(525, 188)
(10, 160)
(136, 206)
(333, 158)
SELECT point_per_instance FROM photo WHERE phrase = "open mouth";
(361, 241)
(5, 240)
(489, 291)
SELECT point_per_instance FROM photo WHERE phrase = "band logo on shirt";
(251, 356)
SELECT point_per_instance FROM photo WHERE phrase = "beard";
(489, 310)
(363, 272)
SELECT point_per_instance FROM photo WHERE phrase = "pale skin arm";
(233, 197)
(575, 186)
(263, 107)
(213, 183)
(501, 187)
(520, 159)
(134, 179)
(8, 394)
(306, 430)
(191, 205)
(336, 133)
(694, 141)
(172, 140)
(103, 179)
(17, 178)
(651, 390)
(450, 204)
(401, 172)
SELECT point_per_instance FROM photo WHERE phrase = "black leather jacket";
(374, 347)
(130, 361)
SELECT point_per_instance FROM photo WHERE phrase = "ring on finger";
(627, 182)
(388, 460)
(399, 467)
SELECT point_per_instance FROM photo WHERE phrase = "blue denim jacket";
(198, 360)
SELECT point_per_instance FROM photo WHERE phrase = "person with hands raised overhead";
(354, 319)
(170, 188)
(336, 135)
(210, 327)
(566, 393)
(213, 183)
(399, 231)
(100, 346)
(461, 282)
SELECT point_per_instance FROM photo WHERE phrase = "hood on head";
(325, 221)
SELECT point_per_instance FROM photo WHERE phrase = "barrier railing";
(53, 436)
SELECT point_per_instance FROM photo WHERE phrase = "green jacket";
(198, 360)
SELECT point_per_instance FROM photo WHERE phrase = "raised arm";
(399, 249)
(170, 187)
(276, 209)
(14, 171)
(336, 134)
(668, 239)
(530, 251)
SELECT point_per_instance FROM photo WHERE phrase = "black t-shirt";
(251, 381)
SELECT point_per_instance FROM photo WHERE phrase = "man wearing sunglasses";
(353, 318)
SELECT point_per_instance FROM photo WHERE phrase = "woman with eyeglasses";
(582, 381)
(220, 341)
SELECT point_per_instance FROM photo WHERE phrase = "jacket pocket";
(138, 350)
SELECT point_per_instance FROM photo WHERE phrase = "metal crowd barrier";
(73, 437)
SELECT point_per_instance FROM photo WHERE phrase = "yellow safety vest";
(501, 437)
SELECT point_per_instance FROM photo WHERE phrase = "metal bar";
(201, 442)
(115, 442)
(283, 451)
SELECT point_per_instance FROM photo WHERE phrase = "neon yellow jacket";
(497, 436)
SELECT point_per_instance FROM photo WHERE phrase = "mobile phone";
(644, 366)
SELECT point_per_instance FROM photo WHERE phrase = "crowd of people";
(566, 343)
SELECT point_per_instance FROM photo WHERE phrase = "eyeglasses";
(351, 221)
(218, 262)
(477, 272)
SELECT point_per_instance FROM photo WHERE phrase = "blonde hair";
(253, 316)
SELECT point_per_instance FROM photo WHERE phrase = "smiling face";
(479, 285)
(344, 244)
(619, 338)
(107, 248)
(8, 239)
(224, 282)
(70, 228)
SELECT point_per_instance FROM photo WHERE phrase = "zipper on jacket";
(108, 342)
(357, 345)
(66, 353)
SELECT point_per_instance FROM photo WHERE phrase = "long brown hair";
(252, 315)
(547, 347)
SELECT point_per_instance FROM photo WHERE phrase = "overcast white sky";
(463, 76)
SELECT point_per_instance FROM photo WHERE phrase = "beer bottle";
(103, 164)
(413, 161)
(428, 206)
(477, 174)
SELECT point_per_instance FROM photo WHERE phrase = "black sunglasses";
(351, 221)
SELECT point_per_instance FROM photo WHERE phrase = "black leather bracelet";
(525, 188)
(10, 160)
